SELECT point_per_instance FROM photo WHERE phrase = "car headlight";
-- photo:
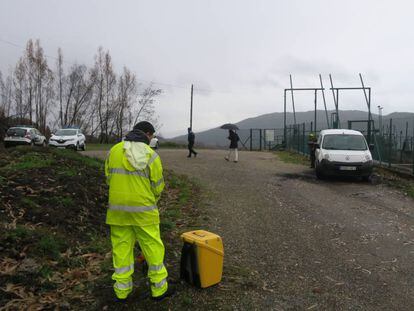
(326, 156)
(368, 158)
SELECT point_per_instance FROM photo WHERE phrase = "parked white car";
(343, 152)
(68, 138)
(24, 135)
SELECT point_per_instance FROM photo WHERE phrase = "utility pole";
(191, 109)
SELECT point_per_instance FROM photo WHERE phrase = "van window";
(344, 142)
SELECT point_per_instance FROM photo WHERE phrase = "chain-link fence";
(261, 139)
(394, 147)
(393, 141)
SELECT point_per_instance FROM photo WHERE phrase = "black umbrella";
(229, 126)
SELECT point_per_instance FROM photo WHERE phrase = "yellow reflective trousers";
(123, 241)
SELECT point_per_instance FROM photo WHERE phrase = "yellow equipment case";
(202, 258)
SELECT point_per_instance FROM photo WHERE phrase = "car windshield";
(16, 132)
(65, 132)
(344, 142)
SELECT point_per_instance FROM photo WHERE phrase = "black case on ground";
(189, 267)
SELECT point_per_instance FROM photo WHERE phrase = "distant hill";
(216, 137)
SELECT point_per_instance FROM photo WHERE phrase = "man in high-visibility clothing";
(134, 176)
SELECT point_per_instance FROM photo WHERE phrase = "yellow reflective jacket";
(134, 176)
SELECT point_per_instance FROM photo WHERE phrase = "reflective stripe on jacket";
(133, 193)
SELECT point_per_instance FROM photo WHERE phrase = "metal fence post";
(412, 146)
(251, 138)
(401, 147)
(303, 138)
(298, 138)
(389, 144)
(412, 150)
(260, 137)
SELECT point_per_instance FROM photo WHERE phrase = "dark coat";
(191, 138)
(138, 136)
(234, 138)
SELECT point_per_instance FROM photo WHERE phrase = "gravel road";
(297, 243)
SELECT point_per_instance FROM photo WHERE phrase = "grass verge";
(292, 157)
(55, 246)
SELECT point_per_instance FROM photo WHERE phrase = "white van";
(344, 153)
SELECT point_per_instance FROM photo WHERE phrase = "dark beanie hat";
(145, 126)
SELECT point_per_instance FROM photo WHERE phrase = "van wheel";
(319, 174)
(83, 147)
(44, 144)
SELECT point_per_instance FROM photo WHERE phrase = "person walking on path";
(135, 178)
(191, 140)
(234, 139)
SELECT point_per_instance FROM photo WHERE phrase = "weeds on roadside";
(30, 160)
(28, 202)
(50, 246)
(71, 155)
(293, 158)
(18, 234)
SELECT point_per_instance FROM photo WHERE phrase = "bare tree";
(4, 96)
(104, 93)
(103, 103)
(19, 88)
(146, 105)
(41, 74)
(60, 76)
(126, 95)
(77, 95)
(28, 92)
(8, 96)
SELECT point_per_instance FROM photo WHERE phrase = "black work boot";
(170, 292)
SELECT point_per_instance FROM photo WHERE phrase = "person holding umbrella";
(234, 139)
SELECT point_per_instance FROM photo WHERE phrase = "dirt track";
(302, 243)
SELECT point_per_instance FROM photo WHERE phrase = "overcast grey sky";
(242, 51)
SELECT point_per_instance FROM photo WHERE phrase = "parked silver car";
(24, 135)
